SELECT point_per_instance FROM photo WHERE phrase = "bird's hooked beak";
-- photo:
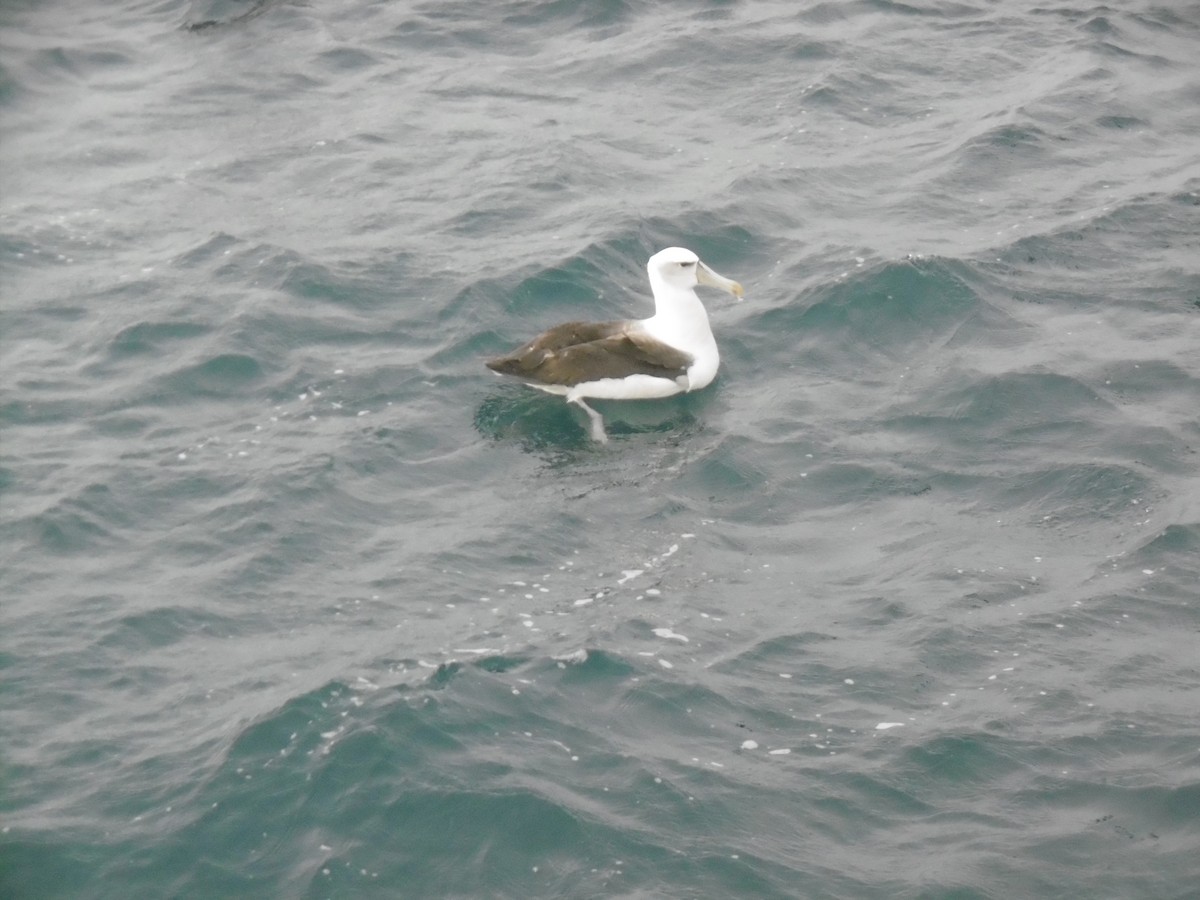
(705, 275)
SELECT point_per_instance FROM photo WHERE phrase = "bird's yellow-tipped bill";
(705, 275)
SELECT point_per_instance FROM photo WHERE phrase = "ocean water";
(298, 600)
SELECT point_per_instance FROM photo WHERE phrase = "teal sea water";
(297, 600)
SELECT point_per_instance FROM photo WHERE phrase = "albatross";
(672, 352)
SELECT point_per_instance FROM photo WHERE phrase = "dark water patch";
(209, 252)
(1186, 198)
(1099, 25)
(385, 285)
(268, 765)
(573, 288)
(727, 243)
(1108, 811)
(61, 632)
(730, 475)
(498, 664)
(468, 354)
(879, 612)
(777, 654)
(1150, 381)
(40, 866)
(165, 626)
(999, 591)
(153, 337)
(197, 551)
(950, 649)
(277, 556)
(487, 301)
(443, 676)
(1017, 408)
(1134, 662)
(835, 484)
(451, 31)
(122, 154)
(1164, 19)
(89, 523)
(80, 64)
(343, 60)
(322, 346)
(20, 251)
(1159, 448)
(12, 91)
(806, 49)
(537, 423)
(883, 314)
(134, 682)
(1109, 48)
(1002, 150)
(293, 729)
(260, 266)
(458, 816)
(605, 19)
(1122, 123)
(1147, 621)
(217, 15)
(599, 670)
(1112, 244)
(1162, 391)
(224, 375)
(58, 250)
(955, 763)
(479, 222)
(1075, 493)
(1175, 551)
(883, 797)
(1020, 402)
(831, 13)
(662, 703)
(675, 419)
(59, 311)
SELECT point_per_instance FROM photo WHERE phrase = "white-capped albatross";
(671, 352)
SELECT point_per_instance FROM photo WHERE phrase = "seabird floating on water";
(671, 352)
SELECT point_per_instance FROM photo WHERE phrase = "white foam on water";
(668, 634)
(575, 657)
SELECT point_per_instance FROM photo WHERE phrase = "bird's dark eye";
(684, 265)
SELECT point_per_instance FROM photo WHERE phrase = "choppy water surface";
(300, 601)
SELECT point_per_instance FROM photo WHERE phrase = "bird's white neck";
(679, 317)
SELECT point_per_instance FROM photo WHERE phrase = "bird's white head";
(681, 269)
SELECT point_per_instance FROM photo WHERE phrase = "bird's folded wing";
(579, 352)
